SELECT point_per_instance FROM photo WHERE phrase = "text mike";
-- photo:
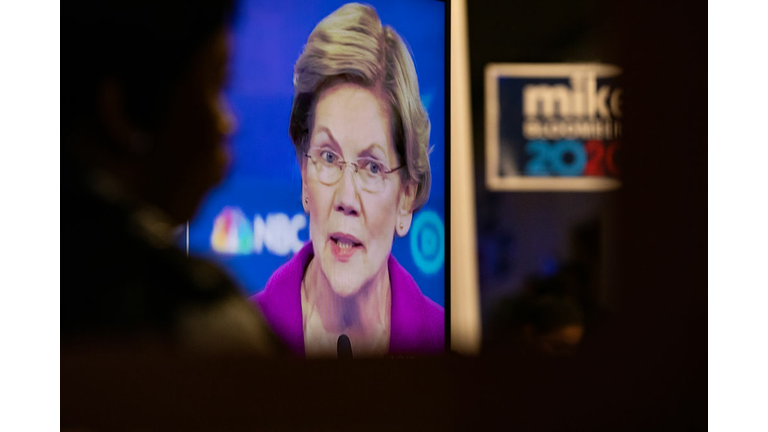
(344, 347)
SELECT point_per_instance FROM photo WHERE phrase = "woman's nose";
(347, 196)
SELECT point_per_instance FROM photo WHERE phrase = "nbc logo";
(233, 235)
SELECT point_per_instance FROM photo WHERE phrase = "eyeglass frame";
(342, 164)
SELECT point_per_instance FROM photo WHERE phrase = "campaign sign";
(552, 127)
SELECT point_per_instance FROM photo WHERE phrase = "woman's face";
(352, 229)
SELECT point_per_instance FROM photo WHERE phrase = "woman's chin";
(344, 289)
(343, 281)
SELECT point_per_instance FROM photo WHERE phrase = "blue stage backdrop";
(254, 222)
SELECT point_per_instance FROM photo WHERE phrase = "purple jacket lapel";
(280, 301)
(417, 323)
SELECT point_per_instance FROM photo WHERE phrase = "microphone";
(344, 347)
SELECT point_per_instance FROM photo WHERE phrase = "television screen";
(259, 218)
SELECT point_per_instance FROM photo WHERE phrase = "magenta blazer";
(417, 323)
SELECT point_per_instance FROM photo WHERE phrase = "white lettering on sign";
(582, 99)
(581, 111)
(278, 233)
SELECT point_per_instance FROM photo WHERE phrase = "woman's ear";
(405, 209)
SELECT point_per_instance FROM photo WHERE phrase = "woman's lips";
(344, 246)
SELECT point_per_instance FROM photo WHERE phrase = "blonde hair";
(351, 45)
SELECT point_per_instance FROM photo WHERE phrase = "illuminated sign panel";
(552, 127)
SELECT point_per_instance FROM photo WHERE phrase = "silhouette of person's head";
(141, 97)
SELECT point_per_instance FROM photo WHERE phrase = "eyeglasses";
(371, 174)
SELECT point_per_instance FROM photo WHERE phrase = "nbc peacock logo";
(232, 233)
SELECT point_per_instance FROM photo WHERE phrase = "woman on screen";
(361, 136)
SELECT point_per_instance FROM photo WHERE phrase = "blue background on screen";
(264, 178)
